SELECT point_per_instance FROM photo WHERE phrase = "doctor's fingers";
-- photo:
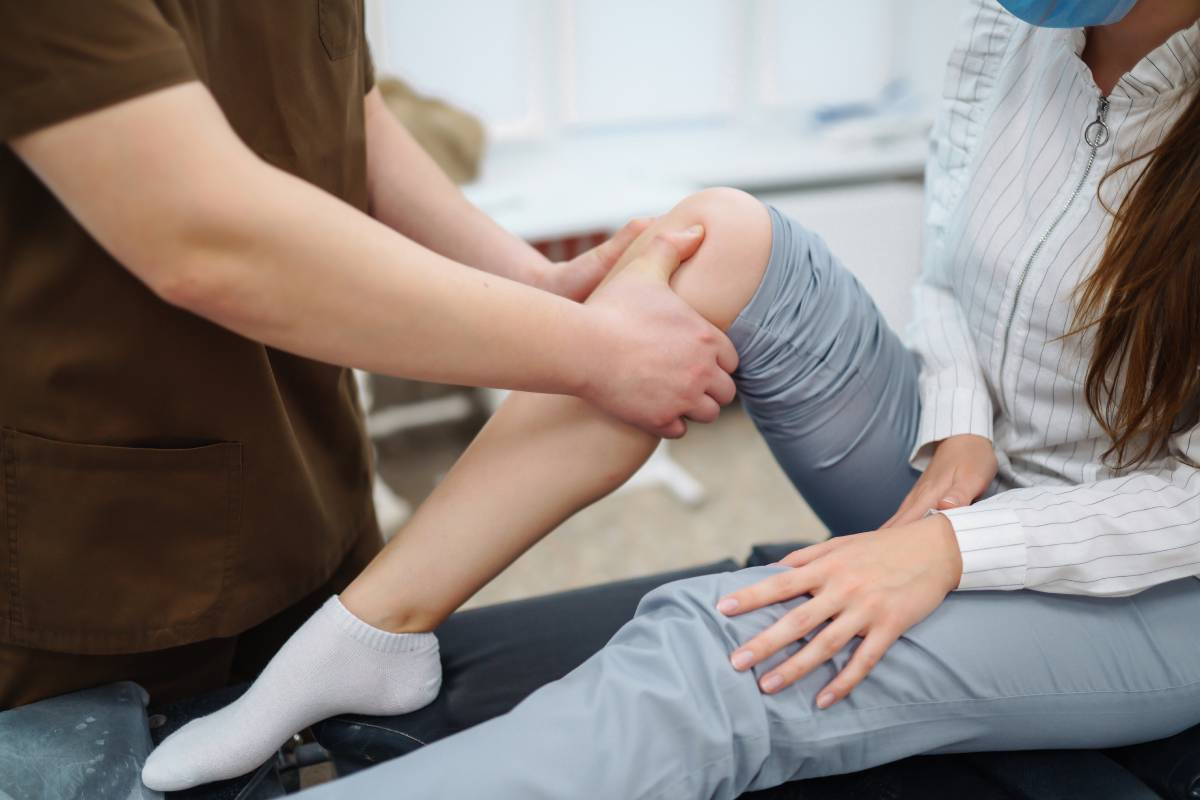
(706, 410)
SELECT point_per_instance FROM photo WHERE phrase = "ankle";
(387, 616)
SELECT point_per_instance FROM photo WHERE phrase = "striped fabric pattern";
(1013, 225)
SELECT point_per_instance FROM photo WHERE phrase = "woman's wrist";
(945, 545)
(965, 440)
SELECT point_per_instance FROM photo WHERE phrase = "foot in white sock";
(334, 664)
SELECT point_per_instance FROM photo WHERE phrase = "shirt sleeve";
(368, 67)
(63, 58)
(954, 394)
(1106, 538)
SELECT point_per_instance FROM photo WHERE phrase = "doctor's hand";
(654, 361)
(577, 278)
(960, 471)
(874, 585)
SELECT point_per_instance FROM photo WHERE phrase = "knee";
(689, 597)
(727, 215)
(735, 223)
(693, 601)
(727, 269)
(719, 201)
(689, 606)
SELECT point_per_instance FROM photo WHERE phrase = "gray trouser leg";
(830, 386)
(659, 713)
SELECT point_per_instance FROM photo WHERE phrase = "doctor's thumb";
(666, 252)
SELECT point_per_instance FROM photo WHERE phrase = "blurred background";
(564, 118)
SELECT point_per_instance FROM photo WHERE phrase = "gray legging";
(659, 712)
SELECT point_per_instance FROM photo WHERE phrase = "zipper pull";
(1095, 135)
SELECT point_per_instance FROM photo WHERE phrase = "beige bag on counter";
(453, 137)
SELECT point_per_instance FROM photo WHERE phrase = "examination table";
(493, 657)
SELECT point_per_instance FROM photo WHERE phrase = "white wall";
(887, 261)
(543, 68)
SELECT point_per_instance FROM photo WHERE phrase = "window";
(534, 69)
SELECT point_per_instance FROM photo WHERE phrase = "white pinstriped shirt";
(1013, 225)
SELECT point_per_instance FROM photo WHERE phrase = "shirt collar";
(1172, 65)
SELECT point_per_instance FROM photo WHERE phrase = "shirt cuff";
(992, 543)
(949, 412)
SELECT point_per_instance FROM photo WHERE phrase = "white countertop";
(595, 183)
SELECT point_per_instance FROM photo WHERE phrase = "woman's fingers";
(791, 627)
(774, 589)
(865, 657)
(806, 555)
(905, 514)
(824, 646)
(876, 585)
(924, 496)
(958, 493)
(964, 490)
(959, 472)
(907, 504)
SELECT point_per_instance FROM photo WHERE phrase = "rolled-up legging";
(829, 385)
(660, 713)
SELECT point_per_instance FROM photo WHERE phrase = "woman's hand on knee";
(872, 585)
(960, 471)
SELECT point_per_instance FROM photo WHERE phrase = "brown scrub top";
(165, 480)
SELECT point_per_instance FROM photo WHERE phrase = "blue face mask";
(1068, 13)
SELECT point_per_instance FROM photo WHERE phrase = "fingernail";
(741, 659)
(951, 500)
(727, 605)
(695, 230)
(772, 682)
(825, 699)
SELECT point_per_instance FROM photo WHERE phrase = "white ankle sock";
(335, 663)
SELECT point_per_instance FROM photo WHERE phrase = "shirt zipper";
(1095, 136)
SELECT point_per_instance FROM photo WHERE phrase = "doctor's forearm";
(288, 265)
(163, 183)
(411, 194)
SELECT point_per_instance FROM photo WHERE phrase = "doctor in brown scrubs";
(206, 214)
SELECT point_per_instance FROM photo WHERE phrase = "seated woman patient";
(1044, 407)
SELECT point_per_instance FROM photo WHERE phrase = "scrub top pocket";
(339, 23)
(114, 549)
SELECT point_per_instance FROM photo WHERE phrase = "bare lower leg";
(541, 458)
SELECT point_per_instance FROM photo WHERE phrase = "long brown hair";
(1143, 302)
